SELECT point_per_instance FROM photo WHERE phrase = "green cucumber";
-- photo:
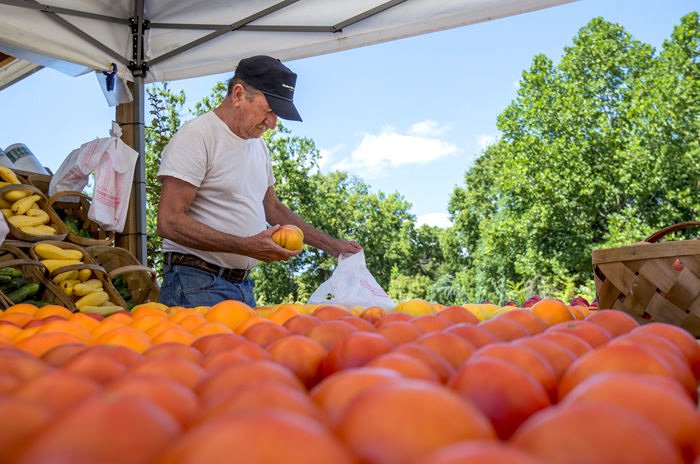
(11, 271)
(23, 293)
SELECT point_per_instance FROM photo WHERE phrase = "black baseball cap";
(274, 80)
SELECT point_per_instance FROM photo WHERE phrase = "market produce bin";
(653, 282)
(28, 282)
(85, 266)
(73, 209)
(135, 282)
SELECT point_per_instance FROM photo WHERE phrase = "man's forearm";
(193, 234)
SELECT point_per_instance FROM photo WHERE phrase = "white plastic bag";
(351, 284)
(4, 231)
(113, 162)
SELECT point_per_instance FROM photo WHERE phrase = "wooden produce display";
(653, 282)
(74, 272)
(28, 283)
(135, 282)
(73, 209)
(28, 214)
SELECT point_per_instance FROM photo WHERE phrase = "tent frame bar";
(247, 27)
(52, 13)
(362, 16)
(223, 30)
(34, 5)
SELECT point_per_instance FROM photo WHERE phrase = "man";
(218, 195)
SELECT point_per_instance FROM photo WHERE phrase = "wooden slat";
(650, 251)
(619, 275)
(685, 290)
(639, 297)
(663, 311)
(660, 273)
(692, 324)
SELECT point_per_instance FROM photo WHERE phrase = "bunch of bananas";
(20, 207)
(87, 292)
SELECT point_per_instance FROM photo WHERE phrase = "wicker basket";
(54, 220)
(98, 272)
(32, 271)
(141, 280)
(78, 204)
(658, 282)
(40, 181)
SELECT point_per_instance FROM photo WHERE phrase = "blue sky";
(408, 116)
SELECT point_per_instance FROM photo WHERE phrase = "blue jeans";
(189, 287)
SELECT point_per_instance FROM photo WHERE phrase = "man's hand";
(263, 248)
(339, 246)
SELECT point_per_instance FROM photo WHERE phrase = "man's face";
(257, 117)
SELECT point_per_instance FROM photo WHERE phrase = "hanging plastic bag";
(113, 162)
(351, 284)
(4, 231)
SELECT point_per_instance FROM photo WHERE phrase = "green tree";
(165, 109)
(596, 151)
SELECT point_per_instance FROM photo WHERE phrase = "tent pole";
(139, 189)
(131, 116)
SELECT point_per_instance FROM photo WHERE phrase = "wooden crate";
(653, 282)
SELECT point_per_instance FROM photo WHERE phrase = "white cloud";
(434, 219)
(427, 128)
(390, 149)
(326, 155)
(484, 140)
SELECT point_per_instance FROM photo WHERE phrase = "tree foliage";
(596, 151)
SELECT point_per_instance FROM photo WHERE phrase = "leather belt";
(179, 259)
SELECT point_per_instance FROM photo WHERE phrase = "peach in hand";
(289, 236)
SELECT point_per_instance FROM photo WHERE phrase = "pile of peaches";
(422, 384)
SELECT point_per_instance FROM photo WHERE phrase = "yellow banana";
(46, 229)
(67, 286)
(23, 205)
(92, 299)
(68, 275)
(52, 264)
(37, 230)
(22, 220)
(103, 310)
(83, 289)
(39, 214)
(49, 251)
(84, 274)
(8, 175)
(14, 195)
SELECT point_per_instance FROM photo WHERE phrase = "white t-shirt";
(232, 175)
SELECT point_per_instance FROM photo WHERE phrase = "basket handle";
(130, 268)
(27, 187)
(21, 262)
(71, 267)
(66, 193)
(659, 234)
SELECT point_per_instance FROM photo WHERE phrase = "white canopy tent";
(161, 40)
